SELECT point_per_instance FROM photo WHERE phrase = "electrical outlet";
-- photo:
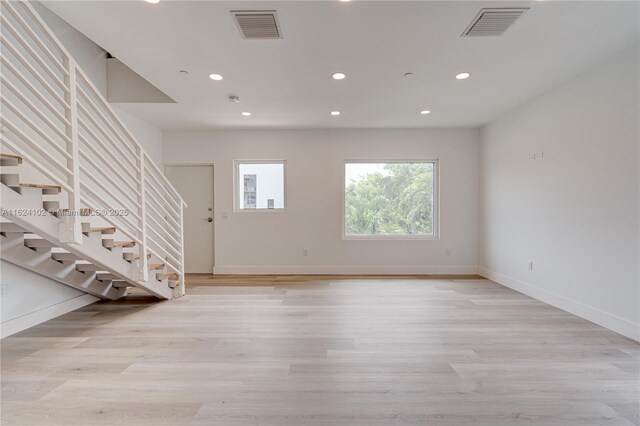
(305, 252)
(3, 290)
(530, 265)
(537, 156)
(447, 252)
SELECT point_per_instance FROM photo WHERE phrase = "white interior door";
(195, 184)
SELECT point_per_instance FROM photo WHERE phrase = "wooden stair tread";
(124, 244)
(172, 276)
(56, 188)
(110, 243)
(137, 256)
(130, 257)
(155, 266)
(104, 229)
(87, 229)
(10, 158)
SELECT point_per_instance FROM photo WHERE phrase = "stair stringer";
(12, 249)
(46, 226)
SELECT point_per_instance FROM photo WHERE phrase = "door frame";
(213, 197)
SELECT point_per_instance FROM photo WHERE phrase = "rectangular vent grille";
(493, 21)
(257, 24)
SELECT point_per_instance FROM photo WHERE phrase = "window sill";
(260, 211)
(390, 238)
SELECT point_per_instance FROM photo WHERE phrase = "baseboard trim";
(612, 322)
(31, 319)
(345, 270)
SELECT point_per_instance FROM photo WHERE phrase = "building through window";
(259, 185)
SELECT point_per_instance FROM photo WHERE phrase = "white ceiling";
(287, 83)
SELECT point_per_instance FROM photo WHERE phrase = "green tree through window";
(392, 199)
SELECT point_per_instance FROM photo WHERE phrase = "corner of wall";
(597, 316)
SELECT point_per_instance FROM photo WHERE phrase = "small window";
(259, 185)
(390, 199)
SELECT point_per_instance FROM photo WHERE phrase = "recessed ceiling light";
(425, 112)
(344, 1)
(246, 114)
(152, 1)
(339, 76)
(216, 77)
(463, 75)
(335, 113)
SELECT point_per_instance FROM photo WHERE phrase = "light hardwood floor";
(322, 351)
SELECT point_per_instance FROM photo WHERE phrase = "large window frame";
(236, 186)
(436, 200)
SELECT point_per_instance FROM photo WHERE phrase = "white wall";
(272, 242)
(29, 299)
(575, 213)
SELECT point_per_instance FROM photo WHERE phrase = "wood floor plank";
(322, 350)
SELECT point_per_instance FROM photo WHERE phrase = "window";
(390, 199)
(259, 185)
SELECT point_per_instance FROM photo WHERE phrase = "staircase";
(80, 200)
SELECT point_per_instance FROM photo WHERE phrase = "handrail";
(41, 62)
(129, 134)
(34, 90)
(36, 129)
(101, 144)
(11, 48)
(93, 121)
(85, 125)
(39, 42)
(34, 109)
(105, 119)
(81, 72)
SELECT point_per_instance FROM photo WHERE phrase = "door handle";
(209, 219)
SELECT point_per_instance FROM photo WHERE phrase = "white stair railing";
(57, 120)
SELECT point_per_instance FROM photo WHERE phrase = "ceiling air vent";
(257, 24)
(493, 21)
